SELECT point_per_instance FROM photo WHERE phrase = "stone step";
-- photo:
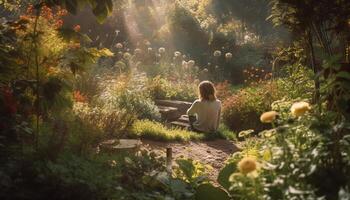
(182, 106)
(179, 124)
(163, 109)
(118, 145)
(169, 113)
(183, 118)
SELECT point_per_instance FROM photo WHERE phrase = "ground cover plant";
(76, 75)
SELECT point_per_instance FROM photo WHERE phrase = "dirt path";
(213, 153)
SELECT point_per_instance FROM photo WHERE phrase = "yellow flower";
(247, 165)
(300, 108)
(268, 117)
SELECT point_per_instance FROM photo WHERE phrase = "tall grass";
(157, 131)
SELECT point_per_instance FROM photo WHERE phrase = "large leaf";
(343, 74)
(209, 192)
(224, 175)
(187, 167)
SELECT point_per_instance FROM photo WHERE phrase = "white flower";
(184, 64)
(228, 55)
(119, 45)
(191, 63)
(161, 50)
(177, 53)
(147, 43)
(217, 53)
(127, 56)
(137, 51)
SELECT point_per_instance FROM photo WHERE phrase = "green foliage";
(210, 192)
(225, 174)
(291, 159)
(157, 131)
(101, 9)
(189, 34)
(241, 110)
(191, 171)
(161, 88)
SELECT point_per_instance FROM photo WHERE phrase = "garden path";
(213, 153)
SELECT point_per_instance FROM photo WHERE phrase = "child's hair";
(207, 91)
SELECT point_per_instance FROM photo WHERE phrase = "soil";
(213, 153)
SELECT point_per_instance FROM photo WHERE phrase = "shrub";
(241, 110)
(223, 90)
(297, 82)
(73, 176)
(157, 131)
(161, 88)
(298, 159)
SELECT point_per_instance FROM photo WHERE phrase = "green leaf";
(225, 174)
(187, 167)
(209, 192)
(178, 186)
(343, 74)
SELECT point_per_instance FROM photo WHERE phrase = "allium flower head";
(268, 117)
(161, 50)
(228, 55)
(119, 45)
(247, 165)
(184, 64)
(300, 108)
(177, 53)
(137, 51)
(217, 53)
(147, 43)
(191, 63)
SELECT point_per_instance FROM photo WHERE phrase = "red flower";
(77, 28)
(30, 9)
(59, 23)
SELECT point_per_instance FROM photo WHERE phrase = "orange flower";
(78, 97)
(24, 18)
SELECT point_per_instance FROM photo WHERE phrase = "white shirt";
(208, 115)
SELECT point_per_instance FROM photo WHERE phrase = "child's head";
(207, 91)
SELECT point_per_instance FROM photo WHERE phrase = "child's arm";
(191, 113)
(193, 109)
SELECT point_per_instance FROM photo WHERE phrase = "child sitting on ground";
(204, 114)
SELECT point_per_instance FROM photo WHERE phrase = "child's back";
(208, 115)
